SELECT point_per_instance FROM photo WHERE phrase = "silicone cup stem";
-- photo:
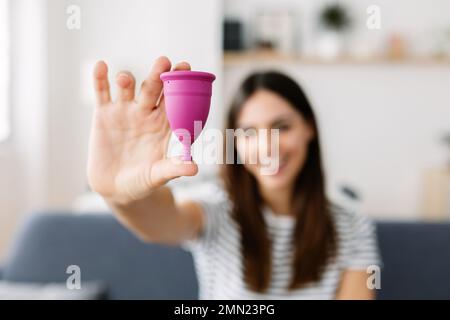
(186, 152)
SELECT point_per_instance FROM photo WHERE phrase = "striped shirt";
(219, 264)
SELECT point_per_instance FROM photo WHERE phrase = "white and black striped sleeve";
(359, 242)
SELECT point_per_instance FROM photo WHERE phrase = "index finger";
(152, 86)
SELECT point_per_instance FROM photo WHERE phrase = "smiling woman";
(4, 67)
(253, 236)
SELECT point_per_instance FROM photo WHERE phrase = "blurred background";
(377, 76)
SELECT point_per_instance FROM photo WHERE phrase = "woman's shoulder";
(356, 235)
(215, 204)
(348, 217)
(210, 195)
(212, 190)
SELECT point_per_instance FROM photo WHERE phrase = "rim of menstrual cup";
(186, 75)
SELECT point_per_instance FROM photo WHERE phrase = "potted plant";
(334, 22)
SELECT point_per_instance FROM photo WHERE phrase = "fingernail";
(123, 79)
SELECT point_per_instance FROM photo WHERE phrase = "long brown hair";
(314, 236)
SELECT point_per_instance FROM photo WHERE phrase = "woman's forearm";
(151, 218)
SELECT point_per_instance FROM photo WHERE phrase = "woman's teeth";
(282, 164)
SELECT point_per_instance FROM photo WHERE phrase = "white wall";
(23, 157)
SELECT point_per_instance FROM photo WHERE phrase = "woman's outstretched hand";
(129, 136)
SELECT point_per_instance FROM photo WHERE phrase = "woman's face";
(267, 110)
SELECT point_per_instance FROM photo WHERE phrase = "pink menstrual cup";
(187, 96)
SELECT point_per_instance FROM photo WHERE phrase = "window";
(4, 71)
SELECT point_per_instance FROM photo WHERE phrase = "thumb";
(167, 169)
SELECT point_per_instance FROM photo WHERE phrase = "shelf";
(269, 57)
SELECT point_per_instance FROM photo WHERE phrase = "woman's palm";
(129, 137)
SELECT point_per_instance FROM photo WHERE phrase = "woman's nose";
(268, 142)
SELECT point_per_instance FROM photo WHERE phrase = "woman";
(255, 235)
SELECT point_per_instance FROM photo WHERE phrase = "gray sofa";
(416, 258)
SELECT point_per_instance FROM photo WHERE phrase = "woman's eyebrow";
(280, 120)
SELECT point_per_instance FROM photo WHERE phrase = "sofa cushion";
(48, 243)
(416, 260)
(415, 256)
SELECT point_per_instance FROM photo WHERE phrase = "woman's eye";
(283, 127)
